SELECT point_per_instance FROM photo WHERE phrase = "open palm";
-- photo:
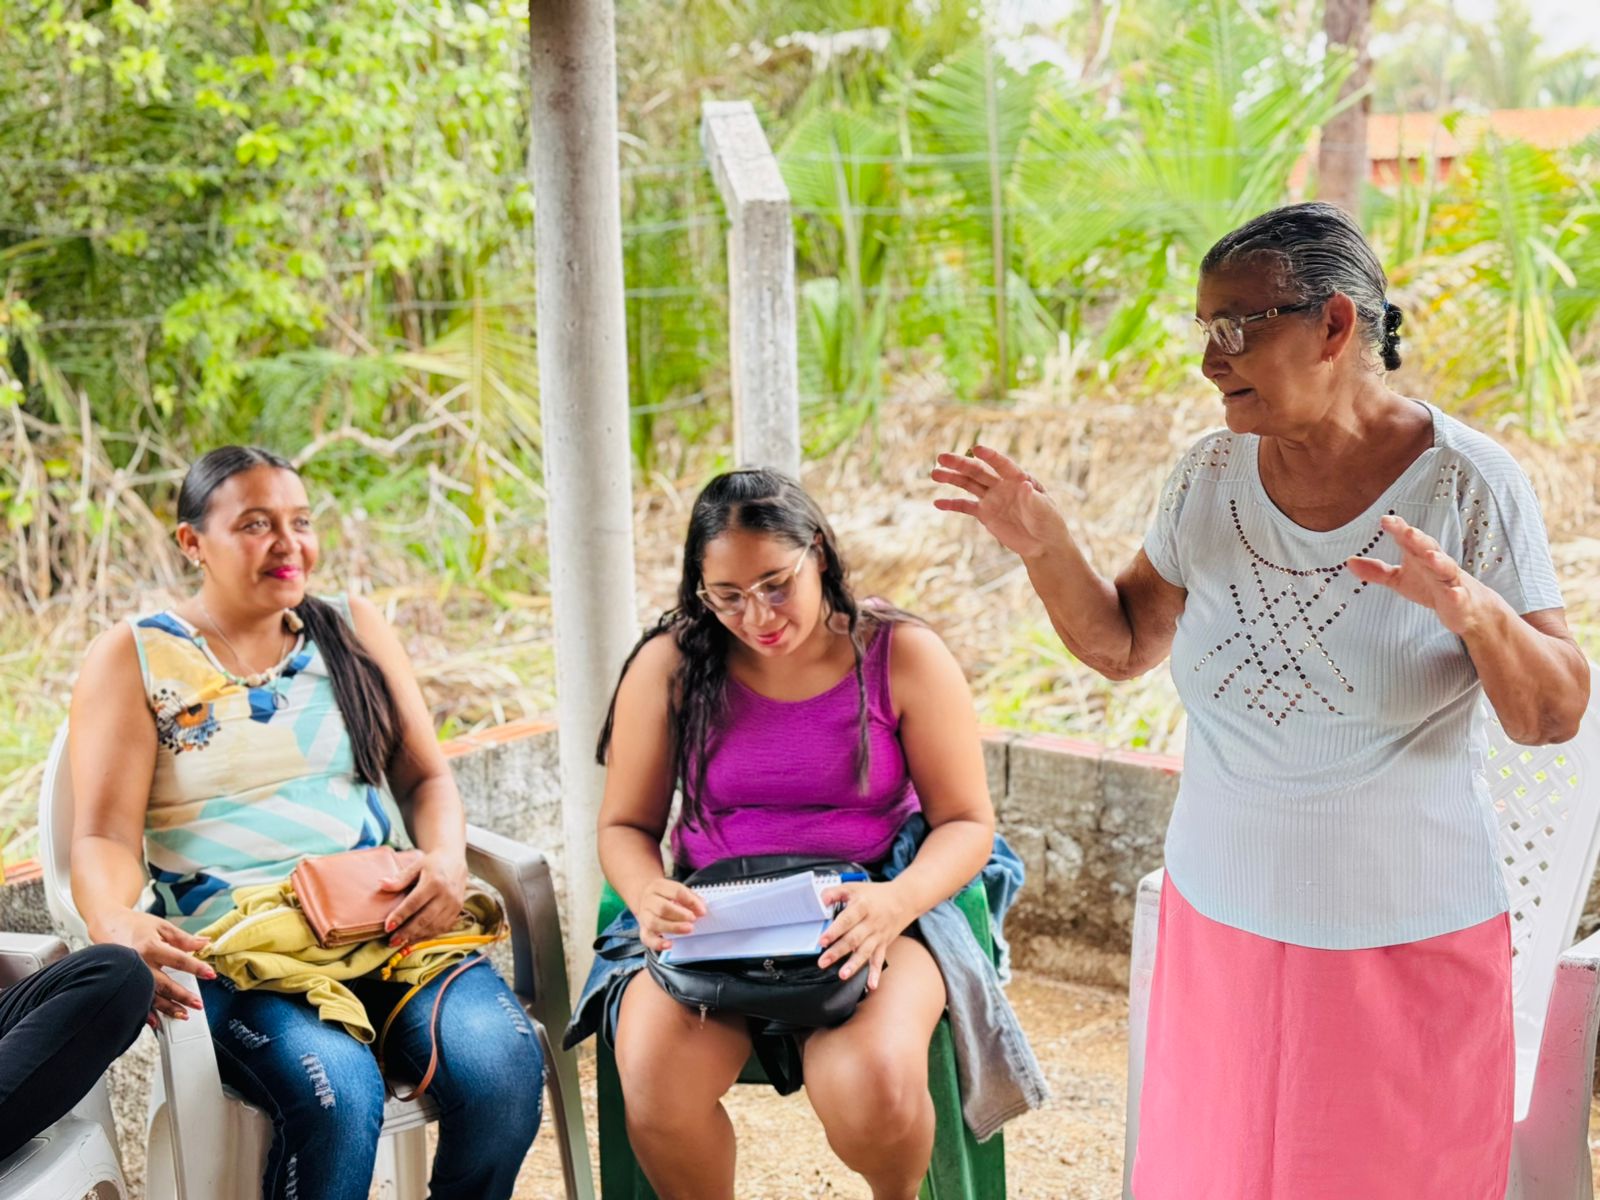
(1006, 500)
(1426, 575)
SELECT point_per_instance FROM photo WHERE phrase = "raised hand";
(1007, 501)
(1426, 575)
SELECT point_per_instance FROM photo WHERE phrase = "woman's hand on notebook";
(874, 915)
(666, 907)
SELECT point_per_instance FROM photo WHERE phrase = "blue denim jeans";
(321, 1087)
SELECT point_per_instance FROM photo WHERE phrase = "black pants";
(60, 1030)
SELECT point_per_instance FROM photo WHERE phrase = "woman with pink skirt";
(1339, 576)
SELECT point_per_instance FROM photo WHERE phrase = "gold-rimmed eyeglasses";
(1228, 332)
(774, 591)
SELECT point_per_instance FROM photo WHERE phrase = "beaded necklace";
(267, 679)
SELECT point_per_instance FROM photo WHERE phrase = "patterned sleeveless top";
(248, 780)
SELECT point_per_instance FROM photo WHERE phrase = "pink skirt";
(1279, 1072)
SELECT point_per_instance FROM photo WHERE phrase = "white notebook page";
(759, 919)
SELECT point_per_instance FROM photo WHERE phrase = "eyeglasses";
(1228, 332)
(771, 592)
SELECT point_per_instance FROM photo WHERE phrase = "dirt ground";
(1069, 1150)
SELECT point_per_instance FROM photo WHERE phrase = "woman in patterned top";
(224, 739)
(1339, 577)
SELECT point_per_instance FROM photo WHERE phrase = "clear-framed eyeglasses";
(1228, 332)
(772, 592)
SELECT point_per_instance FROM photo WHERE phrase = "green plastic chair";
(962, 1167)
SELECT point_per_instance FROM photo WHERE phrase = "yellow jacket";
(266, 942)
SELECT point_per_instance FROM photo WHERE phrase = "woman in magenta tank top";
(795, 720)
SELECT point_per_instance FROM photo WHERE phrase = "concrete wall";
(1088, 824)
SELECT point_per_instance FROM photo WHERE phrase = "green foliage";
(271, 222)
(1115, 209)
(310, 224)
(1507, 273)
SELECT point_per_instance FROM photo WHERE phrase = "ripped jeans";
(321, 1088)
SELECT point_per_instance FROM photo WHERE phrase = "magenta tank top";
(782, 775)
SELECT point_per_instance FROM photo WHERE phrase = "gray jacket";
(1000, 1077)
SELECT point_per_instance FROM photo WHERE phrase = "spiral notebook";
(758, 919)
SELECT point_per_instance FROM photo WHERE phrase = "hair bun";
(1392, 317)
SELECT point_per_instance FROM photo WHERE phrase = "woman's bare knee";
(868, 1079)
(674, 1069)
(877, 1100)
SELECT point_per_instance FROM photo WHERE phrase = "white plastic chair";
(1547, 800)
(206, 1143)
(76, 1157)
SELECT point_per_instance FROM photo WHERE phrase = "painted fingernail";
(208, 973)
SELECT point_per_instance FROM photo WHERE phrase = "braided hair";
(762, 501)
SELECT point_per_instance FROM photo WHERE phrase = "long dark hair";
(1317, 249)
(758, 501)
(359, 687)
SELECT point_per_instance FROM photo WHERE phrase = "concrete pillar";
(583, 398)
(761, 293)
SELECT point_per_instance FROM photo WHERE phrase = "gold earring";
(293, 621)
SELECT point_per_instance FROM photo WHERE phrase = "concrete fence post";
(761, 288)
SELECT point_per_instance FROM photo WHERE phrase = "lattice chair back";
(1547, 803)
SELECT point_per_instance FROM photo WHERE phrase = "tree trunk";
(1342, 165)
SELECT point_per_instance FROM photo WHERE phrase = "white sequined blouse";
(1333, 792)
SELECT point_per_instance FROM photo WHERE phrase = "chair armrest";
(539, 977)
(1585, 954)
(193, 1088)
(522, 877)
(24, 954)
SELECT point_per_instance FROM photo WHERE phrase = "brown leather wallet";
(340, 896)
